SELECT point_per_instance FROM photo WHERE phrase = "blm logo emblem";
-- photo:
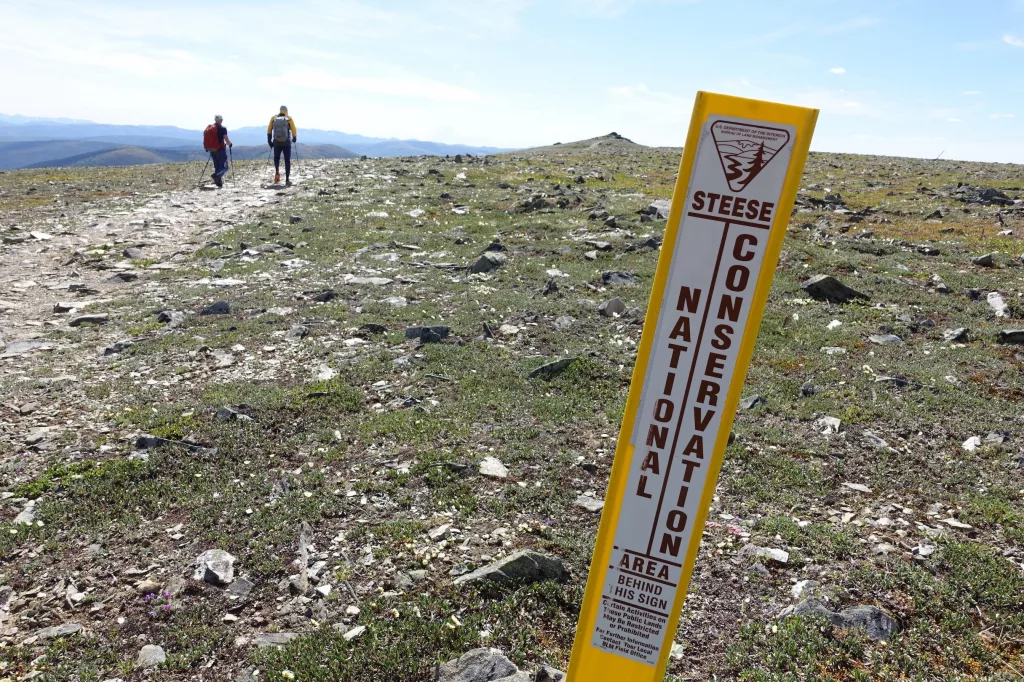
(745, 149)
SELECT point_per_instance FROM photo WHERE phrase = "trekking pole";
(231, 164)
(205, 166)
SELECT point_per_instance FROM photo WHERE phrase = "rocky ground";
(315, 433)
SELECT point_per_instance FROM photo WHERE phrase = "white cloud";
(1013, 40)
(953, 120)
(837, 70)
(994, 116)
(971, 93)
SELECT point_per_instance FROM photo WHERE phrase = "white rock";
(859, 487)
(972, 443)
(591, 504)
(215, 566)
(150, 656)
(354, 632)
(439, 533)
(829, 425)
(492, 466)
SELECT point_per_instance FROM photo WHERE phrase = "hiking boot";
(277, 178)
(217, 180)
(287, 183)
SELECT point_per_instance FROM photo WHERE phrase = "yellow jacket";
(291, 126)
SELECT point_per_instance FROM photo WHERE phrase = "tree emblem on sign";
(744, 150)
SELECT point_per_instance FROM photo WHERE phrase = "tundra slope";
(354, 473)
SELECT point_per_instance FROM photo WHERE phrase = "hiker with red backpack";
(217, 142)
(279, 130)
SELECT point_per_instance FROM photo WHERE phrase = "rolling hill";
(123, 155)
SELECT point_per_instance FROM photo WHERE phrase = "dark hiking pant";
(286, 148)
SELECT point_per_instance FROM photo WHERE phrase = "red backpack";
(211, 140)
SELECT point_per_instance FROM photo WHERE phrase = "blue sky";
(910, 77)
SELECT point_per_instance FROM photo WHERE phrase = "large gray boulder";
(526, 566)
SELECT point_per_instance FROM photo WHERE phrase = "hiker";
(280, 129)
(216, 141)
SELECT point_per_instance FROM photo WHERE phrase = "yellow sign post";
(737, 182)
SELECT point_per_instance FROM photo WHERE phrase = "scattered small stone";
(957, 335)
(150, 656)
(374, 328)
(659, 209)
(488, 262)
(218, 308)
(172, 318)
(228, 413)
(325, 296)
(803, 587)
(64, 307)
(215, 566)
(591, 504)
(27, 516)
(564, 322)
(240, 588)
(829, 425)
(613, 308)
(266, 639)
(874, 622)
(492, 467)
(752, 551)
(986, 261)
(807, 389)
(885, 339)
(354, 632)
(1011, 336)
(996, 302)
(612, 278)
(101, 318)
(551, 369)
(56, 631)
(523, 566)
(828, 288)
(439, 533)
(590, 255)
(434, 334)
(859, 487)
(132, 253)
(750, 402)
(479, 665)
(297, 332)
(294, 219)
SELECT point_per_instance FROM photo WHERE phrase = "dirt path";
(80, 265)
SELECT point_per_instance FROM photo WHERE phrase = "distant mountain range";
(51, 153)
(27, 142)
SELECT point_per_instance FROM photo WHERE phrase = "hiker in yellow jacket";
(280, 129)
